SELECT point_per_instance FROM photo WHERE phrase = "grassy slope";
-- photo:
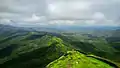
(98, 46)
(74, 59)
(39, 57)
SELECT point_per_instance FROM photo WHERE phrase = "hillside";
(74, 59)
(25, 48)
(33, 54)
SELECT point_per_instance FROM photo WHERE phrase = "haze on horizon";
(60, 12)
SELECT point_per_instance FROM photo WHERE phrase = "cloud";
(68, 9)
(4, 21)
(62, 22)
(33, 18)
(98, 16)
(61, 12)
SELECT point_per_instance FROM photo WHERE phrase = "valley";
(26, 48)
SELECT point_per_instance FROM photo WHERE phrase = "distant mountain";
(76, 28)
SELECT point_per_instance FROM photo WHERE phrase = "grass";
(74, 59)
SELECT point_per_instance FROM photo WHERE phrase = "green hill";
(74, 59)
(21, 48)
(29, 57)
(96, 45)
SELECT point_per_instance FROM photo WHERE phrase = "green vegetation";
(30, 55)
(20, 48)
(74, 59)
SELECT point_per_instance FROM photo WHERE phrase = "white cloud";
(5, 21)
(90, 22)
(99, 19)
(93, 12)
(8, 15)
(98, 16)
(34, 18)
(62, 22)
(69, 9)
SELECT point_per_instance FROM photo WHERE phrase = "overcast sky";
(60, 12)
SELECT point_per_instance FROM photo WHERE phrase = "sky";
(60, 12)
